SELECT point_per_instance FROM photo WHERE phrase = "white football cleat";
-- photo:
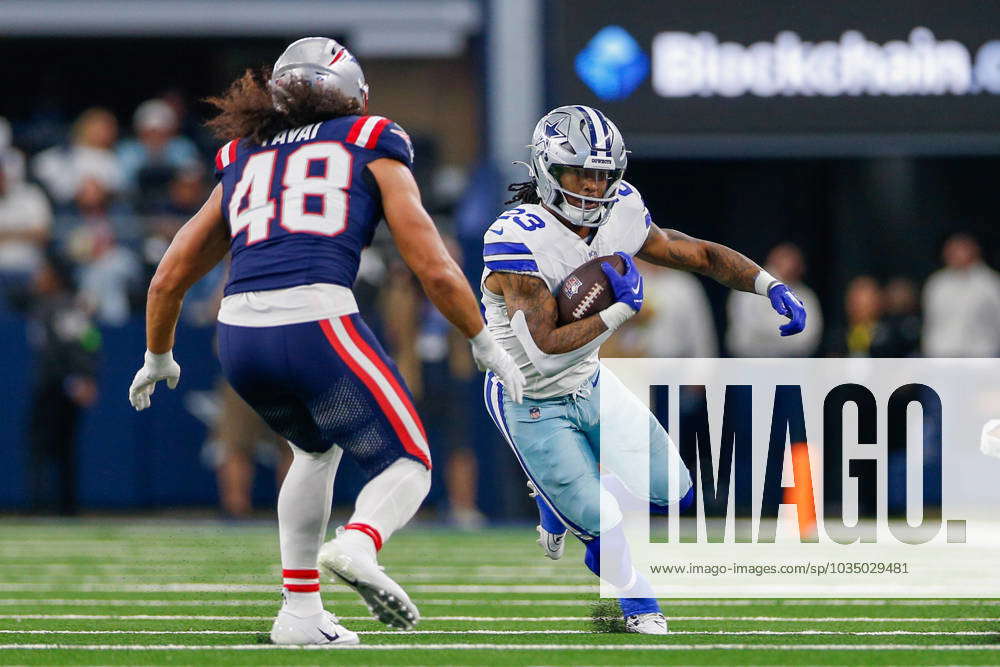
(553, 546)
(322, 628)
(386, 600)
(652, 623)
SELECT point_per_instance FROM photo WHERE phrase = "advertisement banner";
(722, 69)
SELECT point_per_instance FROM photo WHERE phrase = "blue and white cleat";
(553, 546)
(652, 623)
(553, 543)
(323, 628)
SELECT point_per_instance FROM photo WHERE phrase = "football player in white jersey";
(577, 207)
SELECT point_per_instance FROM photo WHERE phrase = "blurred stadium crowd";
(87, 211)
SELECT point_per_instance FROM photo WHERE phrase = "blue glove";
(784, 301)
(627, 287)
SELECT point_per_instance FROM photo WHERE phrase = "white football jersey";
(531, 241)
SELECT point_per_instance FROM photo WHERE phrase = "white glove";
(157, 367)
(490, 356)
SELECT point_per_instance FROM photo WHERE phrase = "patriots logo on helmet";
(572, 286)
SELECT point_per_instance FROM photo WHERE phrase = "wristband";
(763, 283)
(616, 314)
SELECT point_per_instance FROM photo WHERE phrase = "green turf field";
(115, 593)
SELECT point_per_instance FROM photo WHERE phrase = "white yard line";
(502, 619)
(509, 647)
(398, 633)
(475, 602)
(111, 587)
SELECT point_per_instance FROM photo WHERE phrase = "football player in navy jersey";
(304, 179)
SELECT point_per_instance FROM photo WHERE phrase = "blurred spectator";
(752, 328)
(898, 334)
(239, 436)
(66, 346)
(962, 304)
(62, 169)
(11, 159)
(675, 320)
(372, 271)
(25, 223)
(150, 160)
(186, 191)
(435, 360)
(863, 307)
(190, 125)
(109, 272)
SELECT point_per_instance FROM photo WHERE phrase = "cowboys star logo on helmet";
(577, 137)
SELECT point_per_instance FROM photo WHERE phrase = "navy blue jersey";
(302, 205)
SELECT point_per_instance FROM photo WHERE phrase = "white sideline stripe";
(476, 602)
(367, 365)
(261, 588)
(366, 130)
(502, 619)
(275, 571)
(508, 647)
(508, 632)
(406, 580)
(397, 633)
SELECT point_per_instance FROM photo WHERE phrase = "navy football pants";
(326, 383)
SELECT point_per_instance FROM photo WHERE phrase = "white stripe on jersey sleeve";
(224, 153)
(366, 130)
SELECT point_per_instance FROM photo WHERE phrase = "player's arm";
(670, 248)
(553, 348)
(531, 296)
(197, 247)
(675, 250)
(421, 246)
(424, 252)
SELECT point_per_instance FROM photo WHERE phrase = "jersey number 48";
(254, 187)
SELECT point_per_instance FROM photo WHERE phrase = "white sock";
(386, 504)
(303, 514)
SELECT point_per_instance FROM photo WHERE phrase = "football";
(586, 291)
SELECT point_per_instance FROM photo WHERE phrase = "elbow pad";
(551, 364)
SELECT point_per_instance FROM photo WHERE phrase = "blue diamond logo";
(612, 64)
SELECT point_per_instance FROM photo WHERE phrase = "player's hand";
(156, 367)
(628, 287)
(490, 356)
(784, 302)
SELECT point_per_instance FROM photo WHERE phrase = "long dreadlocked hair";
(524, 193)
(246, 109)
